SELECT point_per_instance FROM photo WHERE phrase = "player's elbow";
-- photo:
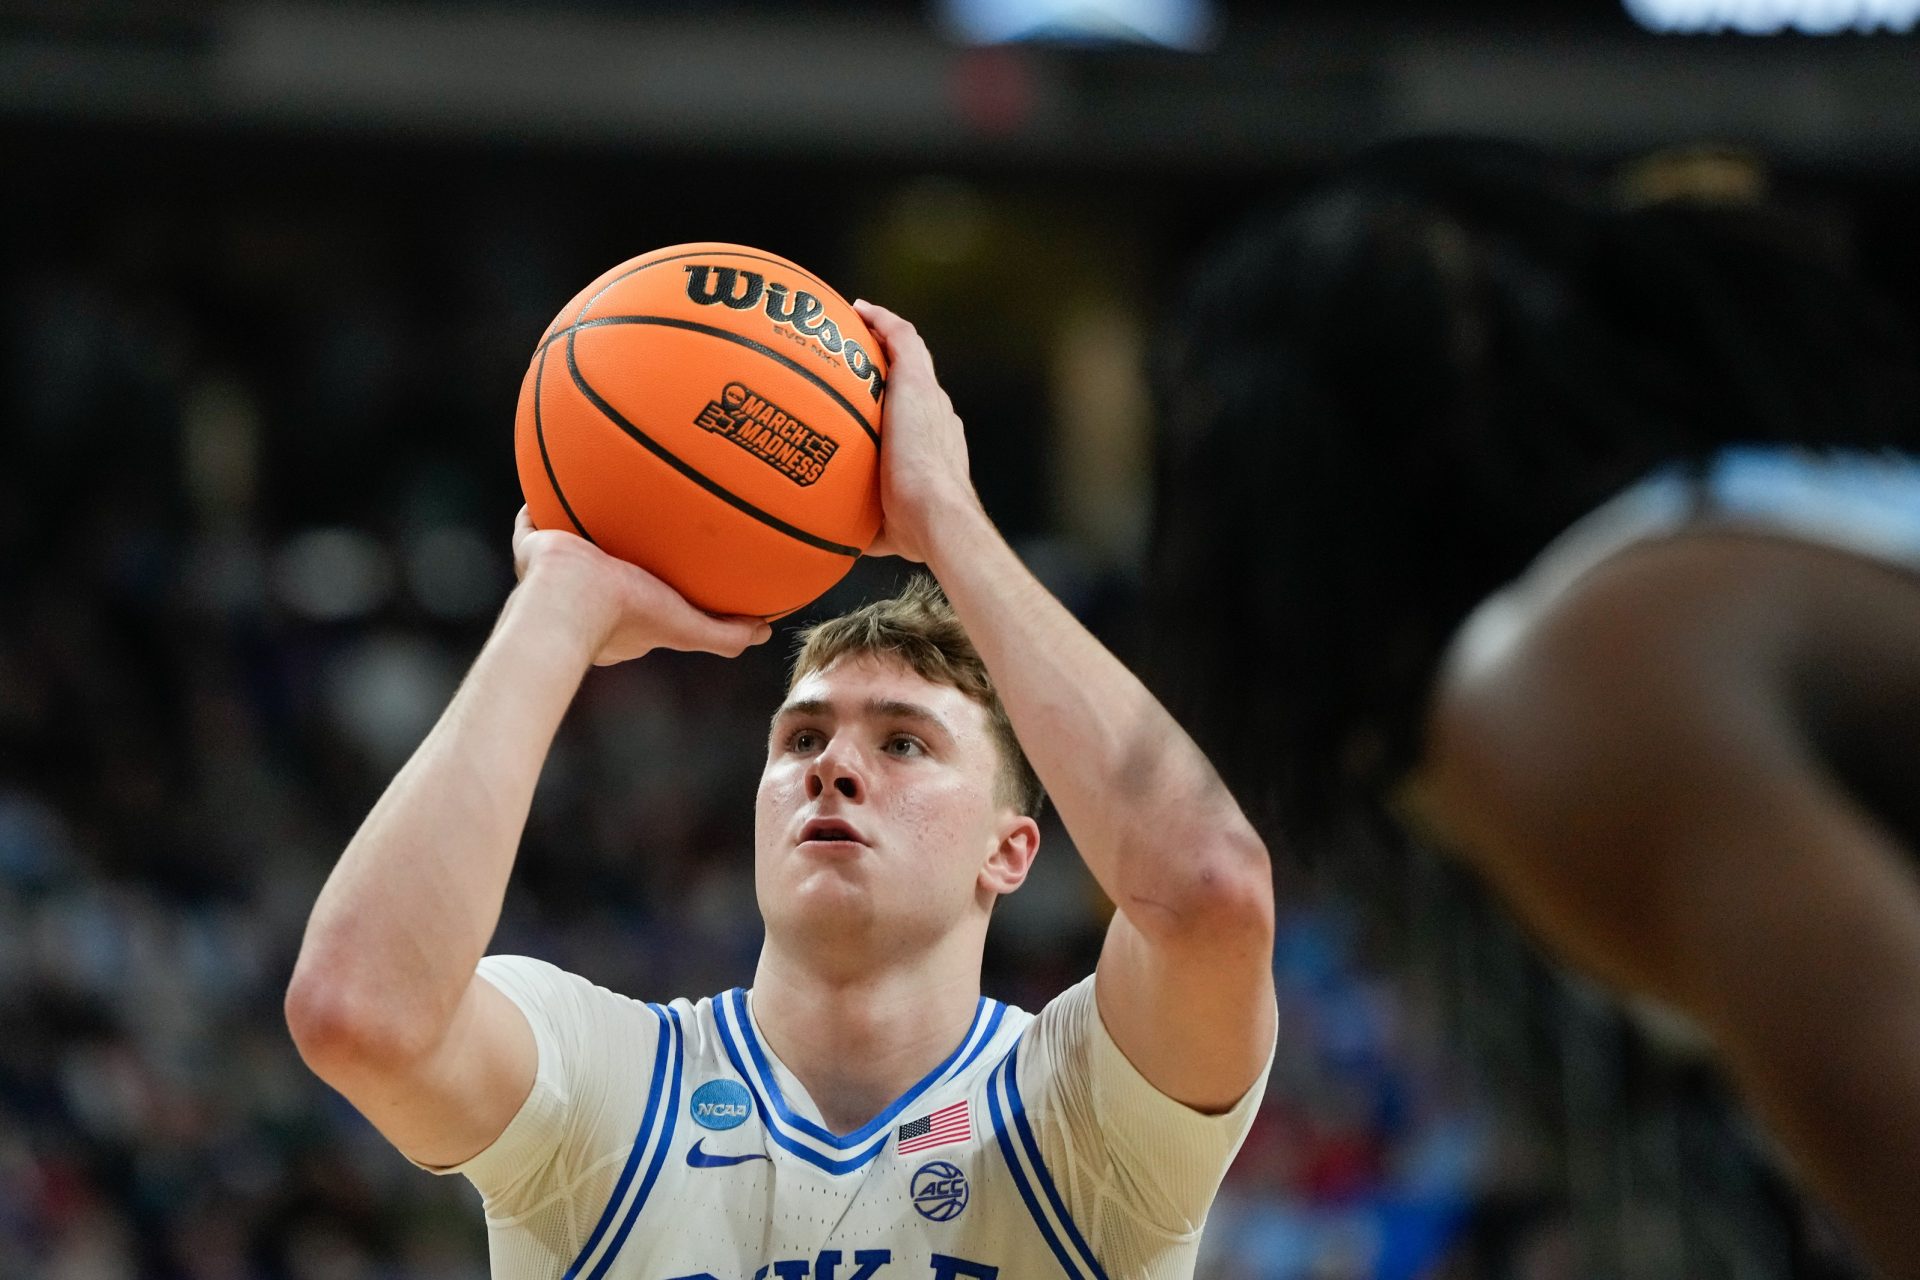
(1221, 895)
(1237, 898)
(342, 1029)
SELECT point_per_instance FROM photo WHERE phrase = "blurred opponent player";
(863, 1113)
(1569, 525)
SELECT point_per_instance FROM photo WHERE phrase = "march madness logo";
(796, 309)
(769, 433)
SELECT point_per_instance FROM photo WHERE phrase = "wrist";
(954, 528)
(562, 608)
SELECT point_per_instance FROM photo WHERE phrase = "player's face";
(878, 812)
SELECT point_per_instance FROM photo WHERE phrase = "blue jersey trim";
(737, 1001)
(1032, 1146)
(986, 1038)
(786, 1141)
(639, 1146)
(994, 1083)
(659, 1153)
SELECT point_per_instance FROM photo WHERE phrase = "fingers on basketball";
(691, 631)
(711, 413)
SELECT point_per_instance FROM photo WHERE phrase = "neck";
(858, 1038)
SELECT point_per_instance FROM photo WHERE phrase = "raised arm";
(384, 1004)
(1185, 981)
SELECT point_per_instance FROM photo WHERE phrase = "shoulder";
(526, 977)
(566, 1009)
(1067, 1015)
(1071, 1101)
(1587, 748)
(1045, 1053)
(1647, 669)
(1068, 1051)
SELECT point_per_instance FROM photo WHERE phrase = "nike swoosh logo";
(701, 1160)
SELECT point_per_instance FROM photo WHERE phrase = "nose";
(835, 767)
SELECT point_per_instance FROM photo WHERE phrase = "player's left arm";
(1185, 981)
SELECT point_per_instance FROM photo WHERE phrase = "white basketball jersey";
(666, 1142)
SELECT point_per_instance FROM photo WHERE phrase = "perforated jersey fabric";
(667, 1141)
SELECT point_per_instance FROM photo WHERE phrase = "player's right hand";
(617, 610)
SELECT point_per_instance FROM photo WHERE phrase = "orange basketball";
(710, 413)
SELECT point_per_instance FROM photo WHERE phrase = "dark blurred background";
(269, 277)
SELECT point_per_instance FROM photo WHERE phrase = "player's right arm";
(384, 1004)
(1648, 775)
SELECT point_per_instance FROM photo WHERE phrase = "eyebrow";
(878, 708)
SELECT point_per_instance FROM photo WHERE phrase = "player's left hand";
(924, 476)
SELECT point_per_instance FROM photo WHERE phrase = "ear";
(1006, 867)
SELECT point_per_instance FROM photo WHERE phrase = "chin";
(828, 898)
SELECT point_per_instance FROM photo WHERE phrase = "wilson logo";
(795, 309)
(769, 433)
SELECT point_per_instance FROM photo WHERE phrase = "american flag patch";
(948, 1125)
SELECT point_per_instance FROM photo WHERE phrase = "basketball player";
(1564, 521)
(863, 1112)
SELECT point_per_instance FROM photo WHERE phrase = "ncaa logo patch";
(939, 1191)
(720, 1104)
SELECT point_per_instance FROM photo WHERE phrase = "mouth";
(830, 831)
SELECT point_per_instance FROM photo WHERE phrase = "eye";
(804, 740)
(904, 745)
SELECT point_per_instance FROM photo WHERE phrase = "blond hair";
(919, 628)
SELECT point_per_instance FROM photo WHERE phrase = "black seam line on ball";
(694, 326)
(659, 451)
(540, 434)
(680, 257)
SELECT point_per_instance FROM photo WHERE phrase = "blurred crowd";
(254, 495)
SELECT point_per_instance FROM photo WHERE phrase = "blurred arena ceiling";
(851, 81)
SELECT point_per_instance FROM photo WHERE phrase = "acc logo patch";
(720, 1104)
(939, 1191)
